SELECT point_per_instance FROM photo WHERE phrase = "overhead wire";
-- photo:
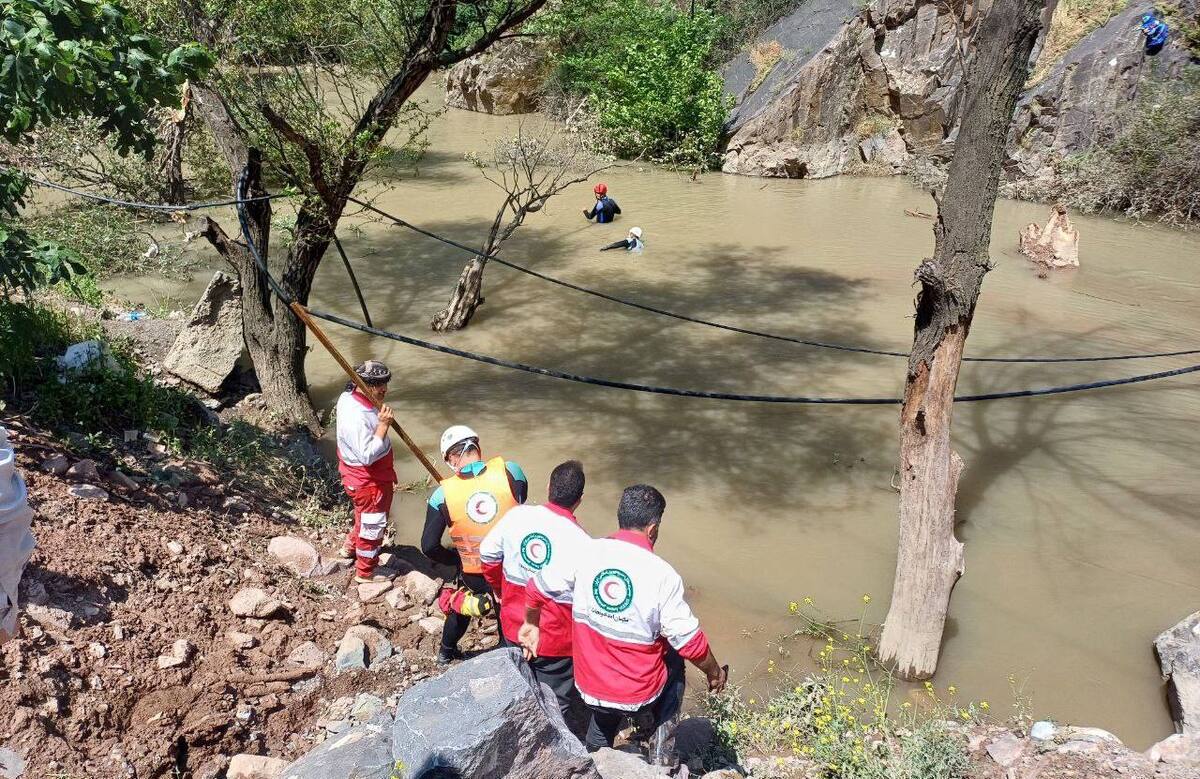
(241, 200)
(733, 328)
(690, 393)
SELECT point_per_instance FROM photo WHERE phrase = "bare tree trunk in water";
(930, 558)
(467, 295)
(173, 141)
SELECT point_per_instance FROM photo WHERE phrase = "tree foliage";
(67, 58)
(71, 58)
(648, 71)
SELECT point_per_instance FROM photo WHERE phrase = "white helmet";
(456, 434)
(636, 232)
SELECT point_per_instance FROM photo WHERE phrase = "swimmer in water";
(631, 243)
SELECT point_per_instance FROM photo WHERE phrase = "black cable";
(149, 206)
(727, 395)
(241, 200)
(362, 303)
(244, 224)
(744, 331)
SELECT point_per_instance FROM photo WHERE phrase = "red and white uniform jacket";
(627, 606)
(362, 458)
(523, 542)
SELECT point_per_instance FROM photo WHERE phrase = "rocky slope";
(881, 89)
(169, 623)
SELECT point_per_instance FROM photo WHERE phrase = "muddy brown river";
(1079, 512)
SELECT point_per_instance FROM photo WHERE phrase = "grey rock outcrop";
(361, 752)
(16, 540)
(880, 86)
(1178, 651)
(487, 719)
(209, 347)
(876, 88)
(507, 79)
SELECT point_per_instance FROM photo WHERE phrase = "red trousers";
(372, 502)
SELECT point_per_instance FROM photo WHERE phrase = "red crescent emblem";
(608, 590)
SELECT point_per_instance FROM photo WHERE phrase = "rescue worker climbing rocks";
(526, 540)
(605, 208)
(632, 627)
(365, 463)
(468, 504)
(1156, 32)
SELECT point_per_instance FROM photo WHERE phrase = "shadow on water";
(996, 442)
(594, 337)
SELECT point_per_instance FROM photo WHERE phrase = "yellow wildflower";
(984, 705)
(866, 598)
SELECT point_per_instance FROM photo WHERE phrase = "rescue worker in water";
(365, 463)
(468, 504)
(605, 209)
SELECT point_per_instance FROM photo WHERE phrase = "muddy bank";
(131, 661)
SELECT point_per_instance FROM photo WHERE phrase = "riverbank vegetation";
(115, 391)
(844, 715)
(1152, 169)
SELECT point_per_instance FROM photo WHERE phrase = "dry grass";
(1073, 20)
(764, 56)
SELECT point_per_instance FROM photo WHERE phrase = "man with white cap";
(630, 243)
(468, 504)
(365, 464)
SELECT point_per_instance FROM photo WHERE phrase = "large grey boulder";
(208, 348)
(507, 79)
(486, 719)
(362, 752)
(1178, 651)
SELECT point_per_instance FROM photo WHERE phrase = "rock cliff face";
(880, 89)
(507, 79)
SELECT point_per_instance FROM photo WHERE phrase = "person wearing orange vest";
(468, 505)
(365, 464)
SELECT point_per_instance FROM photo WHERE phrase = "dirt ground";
(115, 584)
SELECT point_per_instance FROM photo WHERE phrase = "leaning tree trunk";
(467, 296)
(930, 558)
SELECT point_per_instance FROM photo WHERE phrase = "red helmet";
(601, 189)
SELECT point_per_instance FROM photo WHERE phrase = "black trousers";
(457, 624)
(606, 723)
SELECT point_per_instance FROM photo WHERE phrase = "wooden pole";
(302, 313)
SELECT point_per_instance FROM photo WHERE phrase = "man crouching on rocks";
(632, 627)
(365, 462)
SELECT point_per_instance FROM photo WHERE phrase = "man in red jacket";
(524, 541)
(365, 462)
(632, 627)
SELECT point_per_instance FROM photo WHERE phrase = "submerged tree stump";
(1056, 245)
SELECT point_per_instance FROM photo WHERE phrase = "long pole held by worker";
(302, 314)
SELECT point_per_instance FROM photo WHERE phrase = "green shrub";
(30, 337)
(648, 71)
(107, 240)
(1153, 166)
(842, 716)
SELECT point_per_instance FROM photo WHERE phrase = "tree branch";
(316, 166)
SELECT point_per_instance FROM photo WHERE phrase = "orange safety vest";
(474, 505)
